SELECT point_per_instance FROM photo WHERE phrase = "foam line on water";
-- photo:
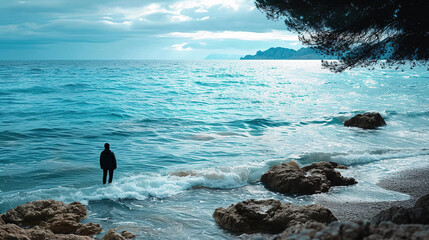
(358, 157)
(368, 176)
(145, 185)
(142, 186)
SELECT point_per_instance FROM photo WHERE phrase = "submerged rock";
(48, 219)
(359, 230)
(289, 178)
(418, 214)
(366, 121)
(270, 215)
(128, 235)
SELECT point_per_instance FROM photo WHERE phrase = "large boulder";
(354, 230)
(33, 213)
(370, 120)
(418, 214)
(49, 219)
(270, 216)
(289, 178)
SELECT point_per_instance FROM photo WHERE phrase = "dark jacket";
(107, 160)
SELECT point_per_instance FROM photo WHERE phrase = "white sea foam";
(359, 157)
(142, 186)
(369, 175)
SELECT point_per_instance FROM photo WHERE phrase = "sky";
(136, 29)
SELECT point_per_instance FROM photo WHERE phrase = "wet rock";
(366, 121)
(33, 213)
(1, 220)
(289, 178)
(183, 173)
(49, 219)
(270, 215)
(39, 233)
(64, 227)
(13, 232)
(360, 230)
(70, 237)
(112, 235)
(128, 235)
(418, 214)
(89, 229)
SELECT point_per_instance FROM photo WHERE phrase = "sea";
(192, 136)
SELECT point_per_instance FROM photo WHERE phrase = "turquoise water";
(220, 123)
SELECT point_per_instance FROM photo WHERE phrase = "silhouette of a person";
(107, 162)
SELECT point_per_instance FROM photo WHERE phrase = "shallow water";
(191, 136)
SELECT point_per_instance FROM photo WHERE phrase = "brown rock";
(289, 178)
(360, 230)
(50, 219)
(270, 215)
(366, 121)
(33, 213)
(418, 214)
(1, 220)
(111, 235)
(128, 235)
(70, 237)
(39, 233)
(64, 227)
(89, 229)
(13, 232)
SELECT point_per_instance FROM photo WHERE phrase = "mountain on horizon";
(285, 53)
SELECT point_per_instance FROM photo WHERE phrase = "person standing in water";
(107, 162)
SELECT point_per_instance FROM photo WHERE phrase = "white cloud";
(296, 43)
(203, 18)
(125, 23)
(181, 47)
(206, 4)
(201, 10)
(175, 11)
(180, 18)
(240, 35)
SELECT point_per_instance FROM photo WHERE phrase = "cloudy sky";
(136, 29)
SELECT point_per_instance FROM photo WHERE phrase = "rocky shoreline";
(50, 219)
(401, 221)
(332, 220)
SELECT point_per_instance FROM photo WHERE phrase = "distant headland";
(278, 53)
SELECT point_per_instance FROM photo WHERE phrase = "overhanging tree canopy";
(359, 32)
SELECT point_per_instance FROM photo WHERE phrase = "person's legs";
(104, 175)
(110, 175)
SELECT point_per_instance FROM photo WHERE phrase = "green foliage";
(360, 32)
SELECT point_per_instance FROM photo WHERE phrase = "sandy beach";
(414, 182)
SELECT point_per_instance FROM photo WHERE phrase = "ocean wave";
(148, 185)
(170, 121)
(75, 85)
(225, 75)
(257, 123)
(359, 157)
(33, 90)
(11, 136)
